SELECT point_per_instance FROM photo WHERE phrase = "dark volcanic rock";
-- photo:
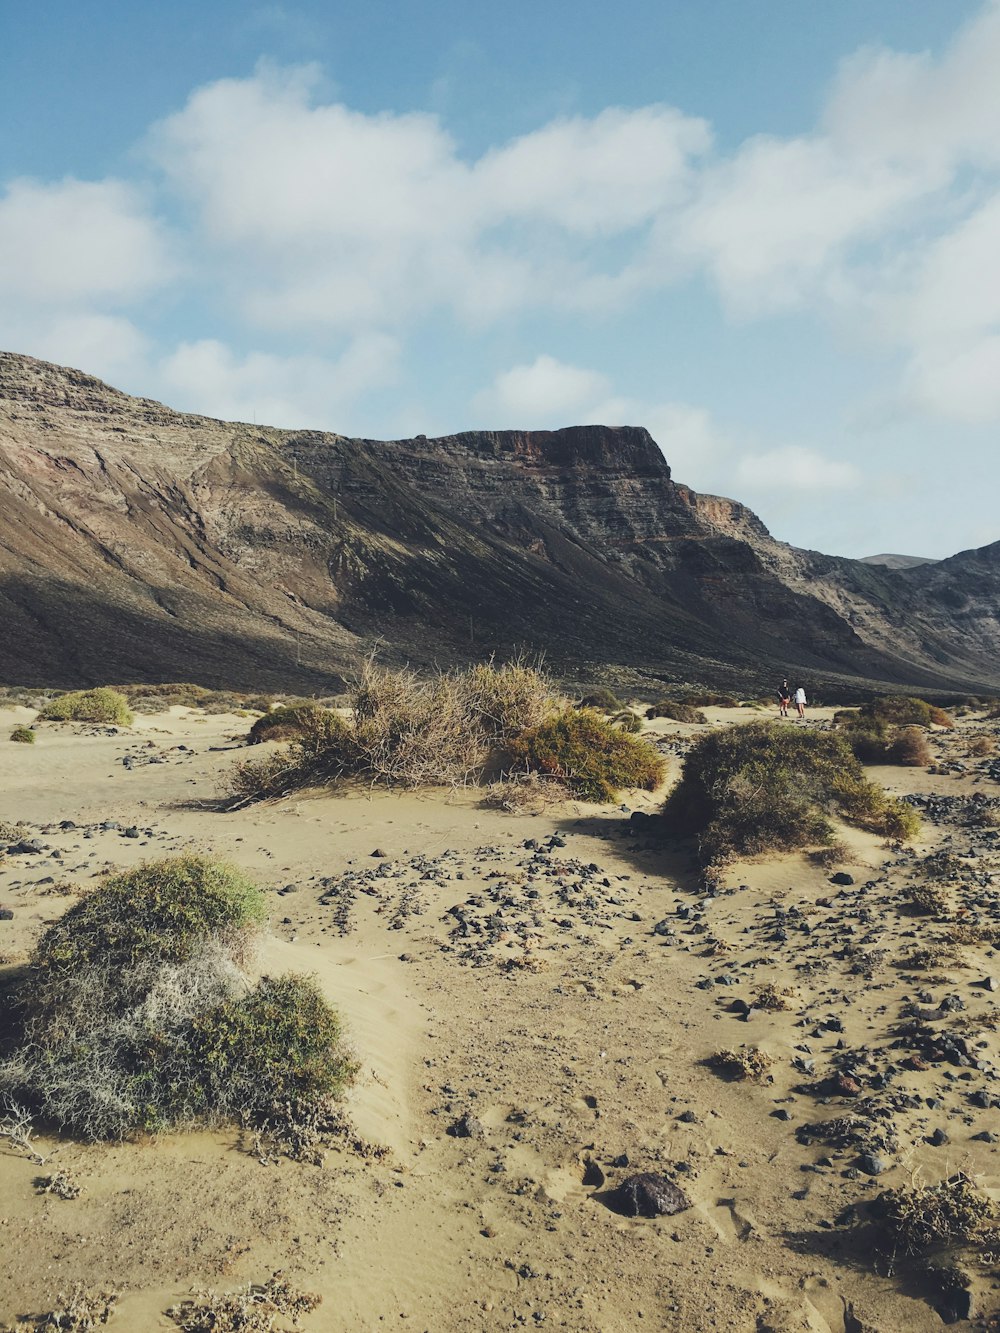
(649, 1194)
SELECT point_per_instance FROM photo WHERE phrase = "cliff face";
(140, 543)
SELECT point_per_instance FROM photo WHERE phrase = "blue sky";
(767, 231)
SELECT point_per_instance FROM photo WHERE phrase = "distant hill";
(139, 543)
(896, 561)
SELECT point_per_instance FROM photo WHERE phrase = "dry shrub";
(100, 705)
(627, 721)
(954, 1213)
(405, 731)
(506, 699)
(23, 736)
(706, 699)
(80, 1312)
(526, 793)
(772, 998)
(253, 1310)
(927, 899)
(828, 857)
(981, 747)
(410, 732)
(63, 1184)
(591, 756)
(910, 749)
(748, 1063)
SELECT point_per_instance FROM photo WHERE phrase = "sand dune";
(560, 981)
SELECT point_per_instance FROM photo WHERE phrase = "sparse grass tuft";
(981, 747)
(81, 1311)
(100, 705)
(526, 793)
(627, 721)
(23, 736)
(706, 699)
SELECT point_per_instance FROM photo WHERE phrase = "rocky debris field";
(621, 1096)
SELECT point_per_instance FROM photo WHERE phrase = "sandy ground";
(562, 980)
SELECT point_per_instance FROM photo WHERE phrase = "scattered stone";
(467, 1127)
(650, 1194)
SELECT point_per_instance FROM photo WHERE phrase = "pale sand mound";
(523, 986)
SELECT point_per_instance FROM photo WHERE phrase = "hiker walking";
(800, 701)
(784, 698)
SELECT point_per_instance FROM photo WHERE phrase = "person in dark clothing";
(784, 698)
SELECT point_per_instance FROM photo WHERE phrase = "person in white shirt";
(800, 701)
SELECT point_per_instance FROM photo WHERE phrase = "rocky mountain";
(139, 543)
(896, 561)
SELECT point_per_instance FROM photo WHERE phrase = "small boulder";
(650, 1194)
(467, 1127)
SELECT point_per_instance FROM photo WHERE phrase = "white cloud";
(544, 393)
(288, 391)
(795, 468)
(77, 242)
(324, 216)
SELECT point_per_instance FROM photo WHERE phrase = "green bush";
(100, 705)
(287, 723)
(603, 700)
(138, 1016)
(765, 787)
(23, 736)
(161, 912)
(280, 1044)
(676, 712)
(594, 758)
(904, 711)
(626, 720)
(887, 730)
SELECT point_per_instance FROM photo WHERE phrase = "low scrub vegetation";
(252, 1310)
(99, 705)
(706, 699)
(920, 1222)
(602, 700)
(591, 756)
(288, 723)
(23, 736)
(158, 698)
(749, 1063)
(626, 720)
(888, 731)
(676, 712)
(492, 721)
(764, 787)
(138, 1015)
